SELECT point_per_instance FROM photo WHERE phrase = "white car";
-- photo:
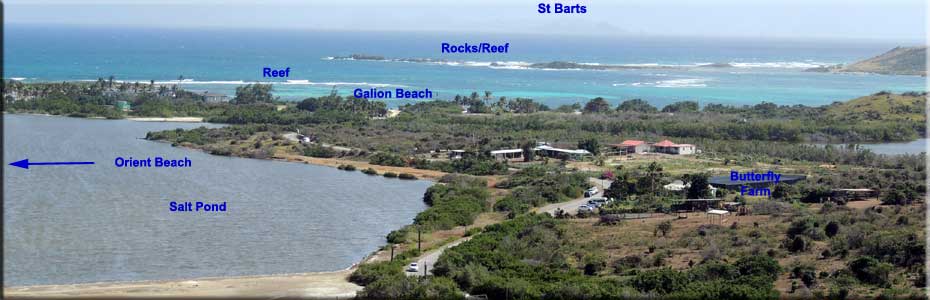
(593, 190)
(413, 267)
(598, 202)
(586, 208)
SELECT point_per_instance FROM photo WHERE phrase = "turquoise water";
(220, 60)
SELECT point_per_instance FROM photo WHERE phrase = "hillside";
(882, 106)
(897, 61)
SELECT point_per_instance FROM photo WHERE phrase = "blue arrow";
(25, 163)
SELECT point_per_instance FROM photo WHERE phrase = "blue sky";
(900, 20)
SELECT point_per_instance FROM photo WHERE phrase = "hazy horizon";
(903, 21)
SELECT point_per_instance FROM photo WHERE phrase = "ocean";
(219, 60)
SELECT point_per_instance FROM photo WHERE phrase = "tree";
(653, 177)
(636, 105)
(597, 105)
(782, 191)
(592, 145)
(682, 106)
(253, 93)
(528, 153)
(699, 186)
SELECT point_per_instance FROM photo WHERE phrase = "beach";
(307, 285)
(170, 119)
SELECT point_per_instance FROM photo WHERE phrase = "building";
(668, 147)
(456, 154)
(123, 105)
(214, 98)
(543, 149)
(507, 154)
(631, 147)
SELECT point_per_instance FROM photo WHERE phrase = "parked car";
(598, 202)
(586, 208)
(593, 190)
(413, 267)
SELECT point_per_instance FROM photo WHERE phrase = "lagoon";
(94, 223)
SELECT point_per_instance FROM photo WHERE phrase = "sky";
(898, 20)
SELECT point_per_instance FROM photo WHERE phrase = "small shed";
(717, 215)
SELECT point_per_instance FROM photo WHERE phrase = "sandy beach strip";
(432, 175)
(327, 285)
(171, 119)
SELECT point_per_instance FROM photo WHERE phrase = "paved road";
(571, 207)
(429, 259)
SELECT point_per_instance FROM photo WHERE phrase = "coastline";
(137, 119)
(332, 284)
(169, 119)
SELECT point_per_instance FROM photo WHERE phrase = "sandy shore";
(335, 162)
(172, 119)
(307, 285)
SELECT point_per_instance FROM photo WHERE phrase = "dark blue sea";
(220, 60)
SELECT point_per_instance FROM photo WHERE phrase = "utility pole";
(419, 233)
(392, 251)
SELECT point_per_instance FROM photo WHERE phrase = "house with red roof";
(631, 147)
(668, 147)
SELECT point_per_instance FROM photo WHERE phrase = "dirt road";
(428, 260)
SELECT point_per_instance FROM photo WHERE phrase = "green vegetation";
(406, 176)
(532, 264)
(537, 186)
(801, 242)
(455, 202)
(636, 105)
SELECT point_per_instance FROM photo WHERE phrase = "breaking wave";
(673, 83)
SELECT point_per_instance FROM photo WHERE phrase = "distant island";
(897, 61)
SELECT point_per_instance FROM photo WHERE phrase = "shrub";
(390, 174)
(664, 227)
(398, 236)
(832, 229)
(349, 168)
(370, 272)
(406, 176)
(869, 270)
(387, 159)
(319, 151)
(626, 263)
(370, 171)
(758, 265)
(663, 281)
(797, 244)
(594, 263)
